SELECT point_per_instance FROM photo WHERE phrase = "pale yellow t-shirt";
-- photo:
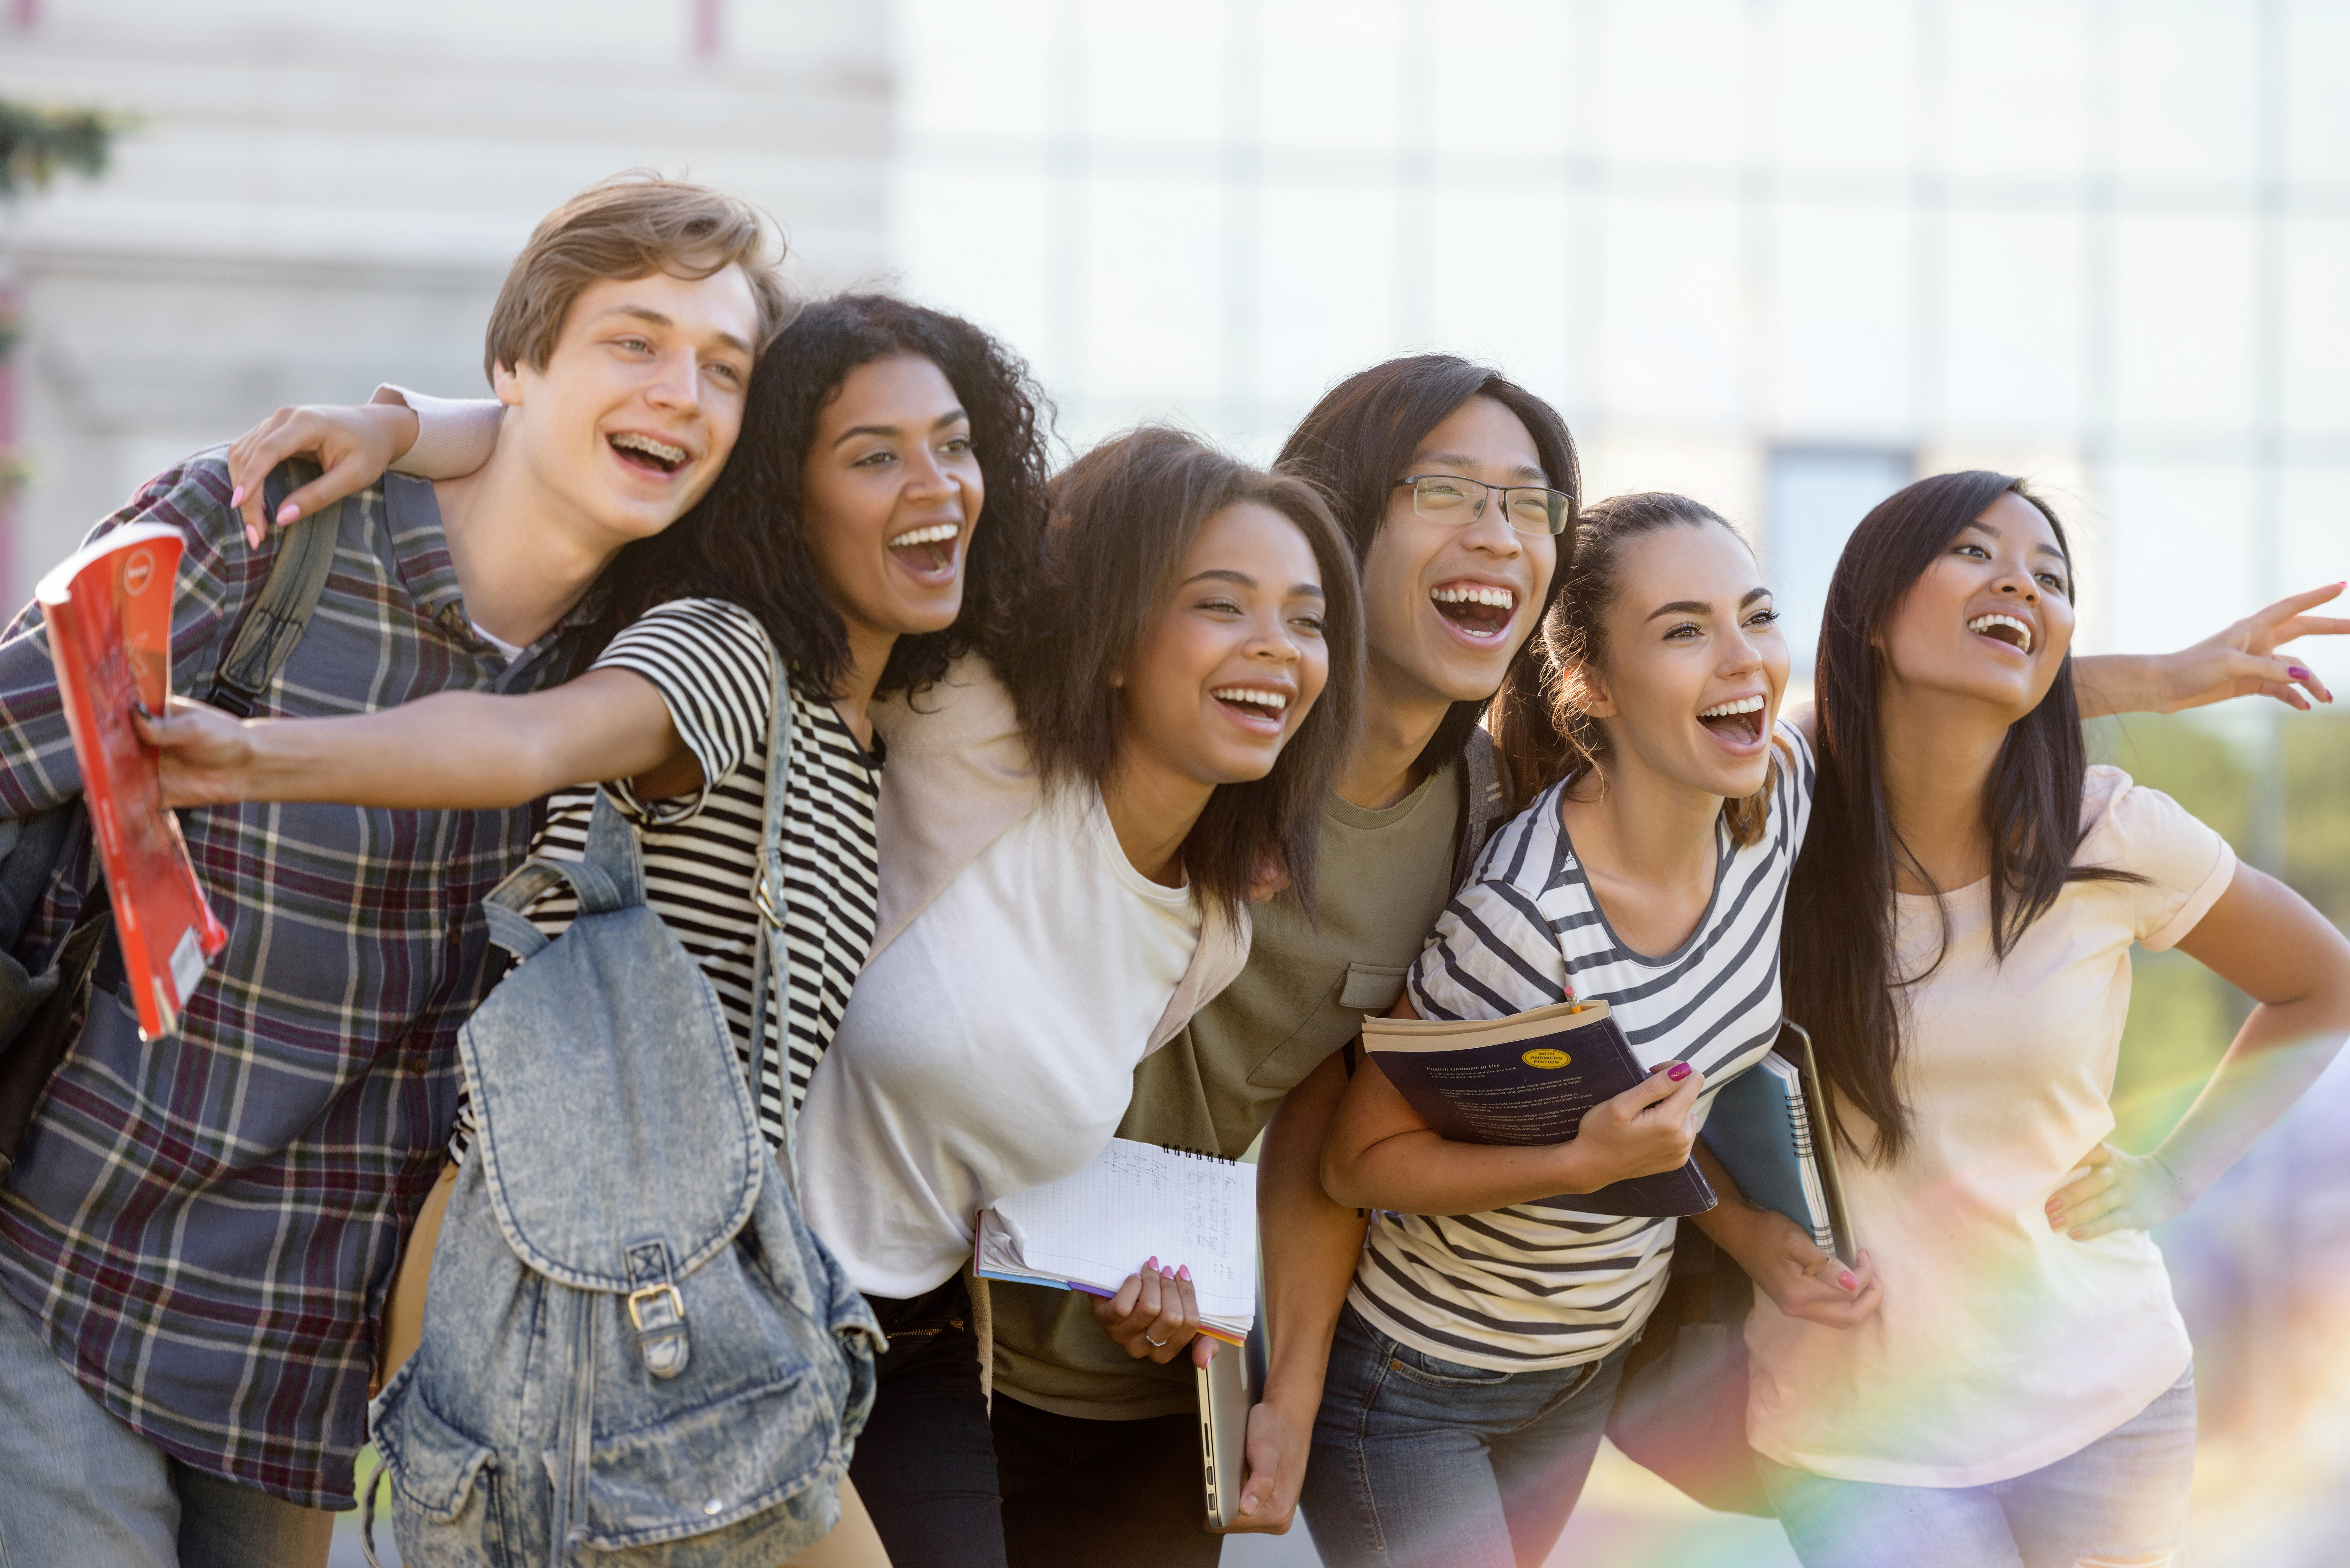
(2001, 1345)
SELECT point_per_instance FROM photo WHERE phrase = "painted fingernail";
(1848, 1279)
(1678, 1071)
(2053, 1206)
(287, 513)
(1165, 1274)
(1184, 1272)
(236, 497)
(2297, 672)
(2080, 1236)
(253, 537)
(1152, 1264)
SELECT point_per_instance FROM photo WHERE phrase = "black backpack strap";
(306, 553)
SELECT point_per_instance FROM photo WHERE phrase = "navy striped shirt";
(1531, 1287)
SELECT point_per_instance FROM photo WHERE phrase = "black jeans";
(925, 1464)
(1080, 1491)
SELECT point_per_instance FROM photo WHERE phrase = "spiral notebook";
(1089, 1230)
(1767, 1127)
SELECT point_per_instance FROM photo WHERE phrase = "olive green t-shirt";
(1384, 879)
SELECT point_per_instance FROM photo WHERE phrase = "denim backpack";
(634, 1349)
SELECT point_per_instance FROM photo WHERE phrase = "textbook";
(108, 610)
(1528, 1079)
(1089, 1230)
(1769, 1129)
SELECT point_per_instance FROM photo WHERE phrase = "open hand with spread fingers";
(2241, 661)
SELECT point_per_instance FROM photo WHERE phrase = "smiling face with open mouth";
(1695, 664)
(639, 404)
(1992, 618)
(1229, 670)
(892, 492)
(1447, 605)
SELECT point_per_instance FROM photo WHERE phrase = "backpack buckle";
(636, 1300)
(657, 1310)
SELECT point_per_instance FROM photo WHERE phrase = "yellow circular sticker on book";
(1544, 1056)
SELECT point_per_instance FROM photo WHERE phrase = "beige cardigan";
(958, 776)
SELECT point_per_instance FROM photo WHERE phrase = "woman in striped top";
(1485, 1331)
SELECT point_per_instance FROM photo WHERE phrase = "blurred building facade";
(310, 197)
(1782, 255)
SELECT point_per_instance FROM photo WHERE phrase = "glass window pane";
(1673, 82)
(2182, 322)
(2011, 328)
(2183, 76)
(1840, 354)
(1325, 304)
(1845, 84)
(2316, 325)
(977, 68)
(1817, 496)
(1671, 310)
(1501, 290)
(2015, 87)
(1499, 77)
(1155, 74)
(2180, 553)
(1152, 291)
(1330, 73)
(2317, 90)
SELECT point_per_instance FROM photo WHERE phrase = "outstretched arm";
(2238, 660)
(453, 751)
(2262, 937)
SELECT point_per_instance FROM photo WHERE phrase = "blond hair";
(632, 225)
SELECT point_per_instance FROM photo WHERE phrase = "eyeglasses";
(1448, 498)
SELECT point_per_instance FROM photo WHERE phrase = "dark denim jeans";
(1084, 1491)
(1420, 1461)
(925, 1463)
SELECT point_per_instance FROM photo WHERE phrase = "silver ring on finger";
(1154, 1343)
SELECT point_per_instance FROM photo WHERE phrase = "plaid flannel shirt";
(205, 1227)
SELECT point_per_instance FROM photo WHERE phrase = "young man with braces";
(198, 1238)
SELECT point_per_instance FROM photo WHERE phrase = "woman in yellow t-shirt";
(2024, 1393)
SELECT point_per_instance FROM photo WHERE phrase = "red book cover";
(108, 609)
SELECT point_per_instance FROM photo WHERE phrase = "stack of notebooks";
(1090, 1230)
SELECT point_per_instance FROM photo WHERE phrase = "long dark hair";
(1540, 725)
(1125, 516)
(743, 541)
(1838, 948)
(1356, 443)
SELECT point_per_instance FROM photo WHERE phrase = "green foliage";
(2182, 1016)
(36, 142)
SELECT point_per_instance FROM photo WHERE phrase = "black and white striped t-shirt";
(709, 660)
(1532, 1287)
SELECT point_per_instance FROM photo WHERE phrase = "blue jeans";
(77, 1486)
(1418, 1459)
(2120, 1500)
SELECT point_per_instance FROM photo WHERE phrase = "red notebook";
(108, 609)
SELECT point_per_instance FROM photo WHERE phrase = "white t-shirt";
(1531, 1286)
(991, 1047)
(2001, 1345)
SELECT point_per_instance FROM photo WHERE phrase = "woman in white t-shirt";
(1957, 939)
(1186, 686)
